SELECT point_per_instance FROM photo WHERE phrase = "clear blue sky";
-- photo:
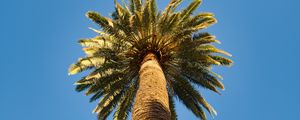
(39, 42)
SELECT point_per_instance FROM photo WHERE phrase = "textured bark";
(152, 101)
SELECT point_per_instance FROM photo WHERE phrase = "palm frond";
(171, 6)
(185, 13)
(106, 24)
(82, 87)
(152, 10)
(102, 83)
(96, 96)
(184, 84)
(146, 19)
(115, 93)
(188, 100)
(85, 63)
(222, 60)
(137, 4)
(172, 108)
(207, 49)
(126, 103)
(107, 103)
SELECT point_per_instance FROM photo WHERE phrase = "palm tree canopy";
(136, 28)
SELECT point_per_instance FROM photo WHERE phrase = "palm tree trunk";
(152, 101)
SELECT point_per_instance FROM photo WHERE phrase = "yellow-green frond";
(85, 63)
(211, 49)
(185, 13)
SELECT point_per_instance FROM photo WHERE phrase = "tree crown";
(185, 54)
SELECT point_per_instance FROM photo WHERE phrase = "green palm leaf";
(172, 108)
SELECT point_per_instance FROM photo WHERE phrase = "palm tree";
(143, 59)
